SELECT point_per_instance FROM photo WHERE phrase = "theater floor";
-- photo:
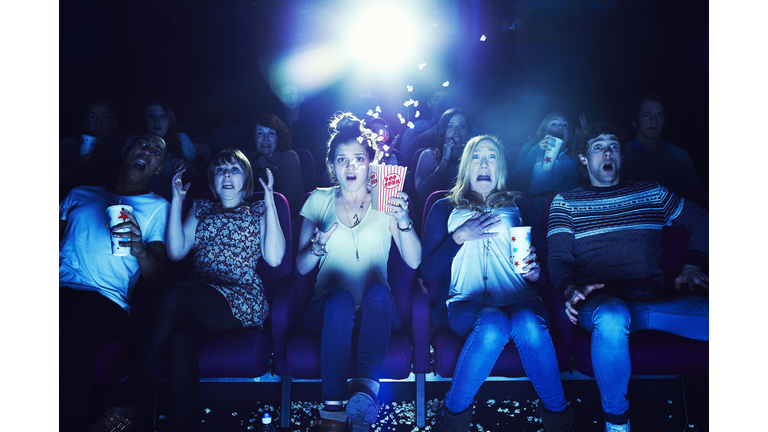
(656, 405)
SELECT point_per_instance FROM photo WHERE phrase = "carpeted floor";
(656, 405)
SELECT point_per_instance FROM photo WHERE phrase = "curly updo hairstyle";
(345, 128)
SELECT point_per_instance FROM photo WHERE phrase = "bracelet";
(406, 229)
(321, 253)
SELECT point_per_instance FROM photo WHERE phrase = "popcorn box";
(386, 182)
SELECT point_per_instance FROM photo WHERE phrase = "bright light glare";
(393, 22)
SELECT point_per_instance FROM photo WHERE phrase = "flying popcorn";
(445, 84)
(402, 120)
(417, 113)
(370, 112)
(482, 38)
(421, 66)
(410, 125)
(378, 109)
(410, 88)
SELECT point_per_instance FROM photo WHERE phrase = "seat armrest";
(421, 324)
(284, 318)
(561, 328)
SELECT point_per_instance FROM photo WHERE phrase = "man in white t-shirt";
(94, 286)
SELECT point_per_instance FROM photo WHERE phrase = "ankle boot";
(556, 422)
(610, 427)
(450, 422)
(114, 419)
(331, 421)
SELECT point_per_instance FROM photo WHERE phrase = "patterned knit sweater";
(612, 235)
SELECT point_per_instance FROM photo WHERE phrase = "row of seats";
(286, 349)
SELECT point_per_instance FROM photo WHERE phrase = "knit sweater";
(612, 235)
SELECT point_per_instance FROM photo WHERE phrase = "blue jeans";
(488, 329)
(612, 319)
(333, 317)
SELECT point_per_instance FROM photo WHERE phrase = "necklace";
(356, 221)
(486, 249)
(354, 224)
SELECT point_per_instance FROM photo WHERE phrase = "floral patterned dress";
(227, 248)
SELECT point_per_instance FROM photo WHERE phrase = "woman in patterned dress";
(223, 293)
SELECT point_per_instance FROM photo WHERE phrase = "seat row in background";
(285, 349)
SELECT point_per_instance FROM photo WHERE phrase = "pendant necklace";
(486, 248)
(354, 224)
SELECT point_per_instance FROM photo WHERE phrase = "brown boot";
(114, 419)
(331, 421)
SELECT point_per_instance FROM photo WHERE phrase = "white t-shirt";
(504, 285)
(340, 268)
(85, 250)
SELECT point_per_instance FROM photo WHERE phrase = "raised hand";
(270, 182)
(320, 239)
(179, 190)
(398, 207)
(575, 294)
(476, 228)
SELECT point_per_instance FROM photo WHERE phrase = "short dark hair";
(231, 156)
(639, 105)
(344, 128)
(269, 120)
(593, 130)
(98, 102)
(151, 136)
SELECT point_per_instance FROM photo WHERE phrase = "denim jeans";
(611, 319)
(333, 317)
(488, 329)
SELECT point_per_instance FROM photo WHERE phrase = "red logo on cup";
(374, 181)
(391, 181)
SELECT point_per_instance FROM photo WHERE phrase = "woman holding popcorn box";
(351, 283)
(487, 292)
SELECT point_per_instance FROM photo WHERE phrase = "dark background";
(581, 57)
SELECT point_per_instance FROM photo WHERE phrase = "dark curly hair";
(271, 121)
(345, 127)
(593, 130)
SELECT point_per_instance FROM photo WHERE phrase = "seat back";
(510, 157)
(307, 162)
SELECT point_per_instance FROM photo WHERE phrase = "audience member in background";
(223, 293)
(488, 302)
(158, 117)
(98, 167)
(604, 244)
(437, 103)
(95, 287)
(349, 241)
(272, 143)
(648, 157)
(438, 166)
(386, 140)
(213, 132)
(529, 174)
(307, 132)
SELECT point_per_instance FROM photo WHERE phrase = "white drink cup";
(116, 216)
(87, 143)
(551, 155)
(520, 240)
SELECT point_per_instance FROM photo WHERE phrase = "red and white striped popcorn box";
(386, 182)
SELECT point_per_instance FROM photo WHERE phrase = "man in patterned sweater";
(604, 243)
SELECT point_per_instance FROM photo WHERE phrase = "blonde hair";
(462, 196)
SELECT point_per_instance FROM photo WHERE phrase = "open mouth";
(483, 177)
(608, 166)
(351, 177)
(139, 165)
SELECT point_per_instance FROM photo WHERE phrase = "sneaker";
(450, 422)
(610, 427)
